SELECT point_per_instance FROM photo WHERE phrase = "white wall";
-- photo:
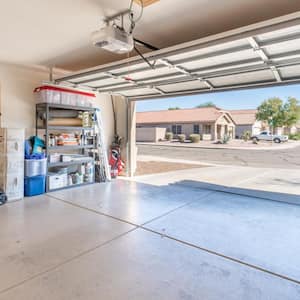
(104, 103)
(126, 123)
(17, 100)
(18, 104)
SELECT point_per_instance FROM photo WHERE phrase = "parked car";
(268, 136)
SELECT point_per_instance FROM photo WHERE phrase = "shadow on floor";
(275, 196)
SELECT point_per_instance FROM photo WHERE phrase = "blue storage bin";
(34, 185)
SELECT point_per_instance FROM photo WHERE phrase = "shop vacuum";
(3, 198)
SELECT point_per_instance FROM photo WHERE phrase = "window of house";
(207, 129)
(196, 129)
(179, 129)
(176, 129)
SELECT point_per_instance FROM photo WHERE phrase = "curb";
(217, 148)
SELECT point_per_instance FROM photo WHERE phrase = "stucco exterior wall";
(187, 128)
(225, 123)
(151, 134)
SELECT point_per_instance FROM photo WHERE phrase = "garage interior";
(123, 239)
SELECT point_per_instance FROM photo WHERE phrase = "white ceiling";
(263, 54)
(57, 32)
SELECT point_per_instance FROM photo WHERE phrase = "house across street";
(212, 123)
(245, 120)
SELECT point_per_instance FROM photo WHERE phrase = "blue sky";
(228, 100)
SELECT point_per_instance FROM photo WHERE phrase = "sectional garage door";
(264, 54)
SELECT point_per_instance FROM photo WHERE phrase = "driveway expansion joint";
(164, 235)
(232, 259)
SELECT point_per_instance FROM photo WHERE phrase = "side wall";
(17, 101)
(17, 104)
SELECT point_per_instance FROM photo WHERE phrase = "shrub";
(195, 138)
(181, 138)
(246, 136)
(169, 136)
(294, 136)
(225, 139)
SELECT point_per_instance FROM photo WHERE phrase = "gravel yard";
(154, 167)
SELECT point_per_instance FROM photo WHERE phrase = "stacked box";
(12, 162)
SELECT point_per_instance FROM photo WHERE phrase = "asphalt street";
(283, 158)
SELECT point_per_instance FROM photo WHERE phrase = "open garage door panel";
(264, 54)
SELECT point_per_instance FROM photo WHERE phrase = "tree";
(206, 104)
(174, 108)
(291, 112)
(277, 113)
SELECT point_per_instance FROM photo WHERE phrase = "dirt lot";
(154, 167)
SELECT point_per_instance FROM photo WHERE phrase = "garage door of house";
(264, 54)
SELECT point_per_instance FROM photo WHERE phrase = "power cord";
(131, 16)
(141, 13)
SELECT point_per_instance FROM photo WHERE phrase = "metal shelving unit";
(71, 147)
(72, 128)
(43, 129)
(63, 106)
(69, 163)
(71, 186)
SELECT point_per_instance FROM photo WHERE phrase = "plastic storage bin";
(65, 96)
(57, 181)
(47, 94)
(34, 185)
(35, 167)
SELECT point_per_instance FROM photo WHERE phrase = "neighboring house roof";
(244, 116)
(204, 114)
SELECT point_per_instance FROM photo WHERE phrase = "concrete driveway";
(131, 240)
(272, 174)
(275, 184)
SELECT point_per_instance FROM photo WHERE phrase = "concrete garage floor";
(281, 184)
(131, 240)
